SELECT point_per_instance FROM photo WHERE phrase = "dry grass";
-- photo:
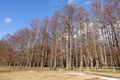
(38, 74)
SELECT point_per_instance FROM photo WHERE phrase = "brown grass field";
(38, 74)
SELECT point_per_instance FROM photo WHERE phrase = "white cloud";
(73, 1)
(2, 33)
(56, 2)
(70, 1)
(8, 20)
(88, 2)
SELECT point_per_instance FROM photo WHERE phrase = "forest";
(74, 37)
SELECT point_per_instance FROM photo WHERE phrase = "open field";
(38, 74)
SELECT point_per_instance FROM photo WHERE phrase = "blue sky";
(16, 14)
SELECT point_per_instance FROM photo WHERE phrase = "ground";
(37, 74)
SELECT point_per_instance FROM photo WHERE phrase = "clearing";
(37, 74)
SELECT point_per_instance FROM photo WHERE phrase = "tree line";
(73, 37)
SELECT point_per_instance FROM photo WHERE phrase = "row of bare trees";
(73, 38)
